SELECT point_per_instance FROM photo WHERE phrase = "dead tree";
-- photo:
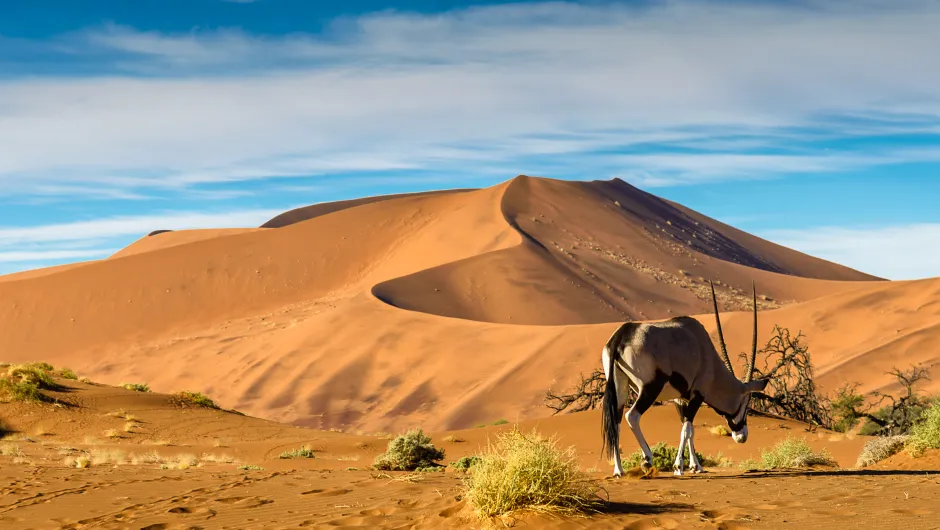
(587, 395)
(792, 390)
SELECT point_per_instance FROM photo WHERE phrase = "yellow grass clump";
(790, 453)
(527, 472)
(719, 430)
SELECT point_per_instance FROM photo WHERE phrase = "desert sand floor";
(155, 465)
(124, 497)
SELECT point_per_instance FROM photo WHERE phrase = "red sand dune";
(445, 309)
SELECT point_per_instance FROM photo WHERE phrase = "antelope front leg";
(683, 440)
(694, 465)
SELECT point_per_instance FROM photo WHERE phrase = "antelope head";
(737, 419)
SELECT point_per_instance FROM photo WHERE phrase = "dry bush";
(129, 427)
(67, 373)
(303, 452)
(408, 452)
(136, 387)
(925, 434)
(526, 472)
(453, 439)
(791, 453)
(464, 464)
(112, 433)
(192, 399)
(878, 449)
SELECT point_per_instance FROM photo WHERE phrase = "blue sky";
(815, 123)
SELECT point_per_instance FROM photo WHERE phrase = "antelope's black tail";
(611, 412)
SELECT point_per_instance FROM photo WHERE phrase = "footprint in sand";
(653, 523)
(327, 493)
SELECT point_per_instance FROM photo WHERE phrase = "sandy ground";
(135, 481)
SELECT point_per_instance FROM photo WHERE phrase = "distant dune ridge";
(443, 309)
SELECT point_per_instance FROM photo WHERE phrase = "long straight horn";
(750, 364)
(721, 338)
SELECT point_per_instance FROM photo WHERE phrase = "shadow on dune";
(639, 508)
(834, 473)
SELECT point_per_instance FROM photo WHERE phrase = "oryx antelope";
(679, 352)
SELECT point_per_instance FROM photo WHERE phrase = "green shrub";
(664, 457)
(21, 390)
(790, 453)
(926, 432)
(194, 399)
(137, 387)
(878, 449)
(67, 373)
(303, 452)
(500, 422)
(526, 472)
(465, 463)
(36, 373)
(408, 452)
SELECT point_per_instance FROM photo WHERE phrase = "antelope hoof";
(677, 471)
(697, 469)
(646, 466)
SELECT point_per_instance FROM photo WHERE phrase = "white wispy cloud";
(119, 226)
(499, 87)
(25, 247)
(51, 255)
(902, 252)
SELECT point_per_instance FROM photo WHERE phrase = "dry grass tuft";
(790, 453)
(80, 462)
(719, 430)
(303, 452)
(136, 387)
(10, 450)
(186, 461)
(129, 427)
(878, 449)
(112, 433)
(526, 472)
(453, 439)
(101, 457)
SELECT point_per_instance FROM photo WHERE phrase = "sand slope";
(443, 310)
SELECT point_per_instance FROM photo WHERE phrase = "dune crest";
(442, 309)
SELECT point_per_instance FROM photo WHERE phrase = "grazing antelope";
(679, 352)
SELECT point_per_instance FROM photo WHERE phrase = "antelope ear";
(757, 385)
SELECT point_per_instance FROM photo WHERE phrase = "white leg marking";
(683, 441)
(694, 465)
(633, 420)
